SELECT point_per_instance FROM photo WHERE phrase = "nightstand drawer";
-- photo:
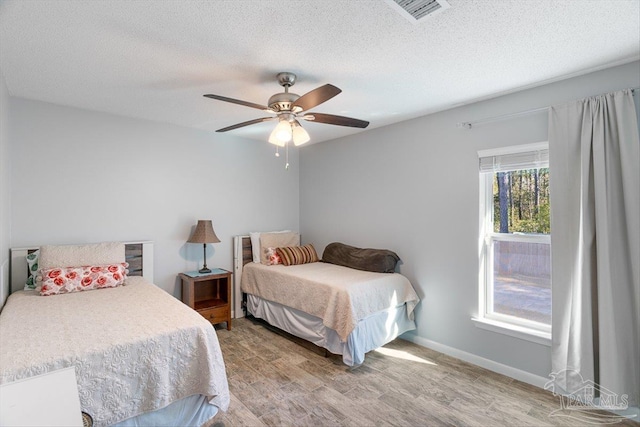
(215, 315)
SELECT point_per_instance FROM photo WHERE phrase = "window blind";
(533, 159)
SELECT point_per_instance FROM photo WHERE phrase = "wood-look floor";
(274, 381)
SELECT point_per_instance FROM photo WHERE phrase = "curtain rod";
(469, 125)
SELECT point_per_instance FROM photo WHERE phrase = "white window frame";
(487, 319)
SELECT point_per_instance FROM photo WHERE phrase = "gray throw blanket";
(375, 260)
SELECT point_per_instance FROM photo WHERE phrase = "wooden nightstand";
(209, 295)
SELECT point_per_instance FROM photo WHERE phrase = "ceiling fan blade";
(243, 124)
(331, 119)
(237, 101)
(315, 97)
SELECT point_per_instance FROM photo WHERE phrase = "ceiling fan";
(289, 107)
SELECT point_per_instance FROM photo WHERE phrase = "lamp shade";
(281, 134)
(274, 140)
(300, 136)
(204, 233)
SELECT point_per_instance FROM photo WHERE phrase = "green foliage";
(527, 201)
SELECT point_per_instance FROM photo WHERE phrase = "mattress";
(340, 296)
(135, 348)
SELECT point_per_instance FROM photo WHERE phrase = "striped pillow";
(294, 255)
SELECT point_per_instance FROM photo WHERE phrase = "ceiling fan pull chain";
(286, 150)
(277, 153)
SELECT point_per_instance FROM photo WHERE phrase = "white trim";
(513, 326)
(513, 330)
(485, 224)
(510, 371)
(523, 148)
(521, 237)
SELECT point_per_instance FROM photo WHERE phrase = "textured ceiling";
(155, 59)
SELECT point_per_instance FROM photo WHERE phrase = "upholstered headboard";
(139, 255)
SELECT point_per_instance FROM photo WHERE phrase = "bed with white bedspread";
(137, 351)
(346, 311)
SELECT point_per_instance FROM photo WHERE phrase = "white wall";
(81, 176)
(5, 190)
(413, 188)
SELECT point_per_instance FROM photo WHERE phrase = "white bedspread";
(135, 348)
(340, 296)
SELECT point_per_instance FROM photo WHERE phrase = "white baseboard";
(491, 365)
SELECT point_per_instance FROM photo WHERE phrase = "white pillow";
(255, 243)
(276, 240)
(81, 255)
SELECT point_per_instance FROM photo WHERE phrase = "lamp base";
(204, 270)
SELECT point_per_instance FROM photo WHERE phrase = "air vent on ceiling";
(417, 10)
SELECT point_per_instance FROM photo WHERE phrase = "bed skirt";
(370, 333)
(191, 411)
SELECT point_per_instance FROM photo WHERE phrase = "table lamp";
(204, 234)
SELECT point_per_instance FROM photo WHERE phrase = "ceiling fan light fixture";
(275, 141)
(287, 107)
(299, 134)
(281, 134)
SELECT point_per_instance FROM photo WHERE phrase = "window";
(515, 238)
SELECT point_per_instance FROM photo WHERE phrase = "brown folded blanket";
(375, 260)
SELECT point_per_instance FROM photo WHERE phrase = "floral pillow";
(75, 279)
(272, 257)
(32, 263)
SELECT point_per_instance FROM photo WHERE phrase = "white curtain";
(594, 156)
